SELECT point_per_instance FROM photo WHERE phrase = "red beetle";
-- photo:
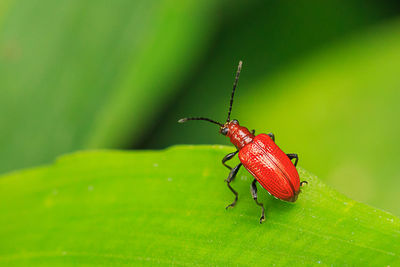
(270, 166)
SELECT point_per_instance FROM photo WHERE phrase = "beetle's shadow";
(274, 206)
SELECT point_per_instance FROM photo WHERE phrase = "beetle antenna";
(199, 119)
(234, 88)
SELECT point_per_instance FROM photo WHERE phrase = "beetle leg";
(293, 156)
(228, 180)
(253, 189)
(228, 157)
(272, 136)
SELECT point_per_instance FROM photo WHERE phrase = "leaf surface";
(167, 207)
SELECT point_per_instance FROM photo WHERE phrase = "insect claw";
(230, 206)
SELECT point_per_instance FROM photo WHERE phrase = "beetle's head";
(228, 127)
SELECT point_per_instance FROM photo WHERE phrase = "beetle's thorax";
(240, 136)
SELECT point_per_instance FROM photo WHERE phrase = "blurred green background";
(322, 75)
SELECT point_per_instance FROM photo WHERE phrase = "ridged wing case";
(271, 167)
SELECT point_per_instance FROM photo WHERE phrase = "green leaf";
(77, 74)
(167, 207)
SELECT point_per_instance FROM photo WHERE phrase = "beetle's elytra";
(260, 155)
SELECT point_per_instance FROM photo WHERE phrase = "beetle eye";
(224, 131)
(235, 121)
